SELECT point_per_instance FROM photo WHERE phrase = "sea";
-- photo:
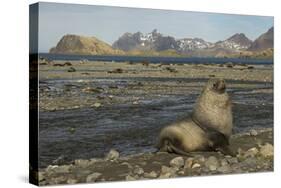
(154, 59)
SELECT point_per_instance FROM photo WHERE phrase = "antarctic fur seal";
(207, 129)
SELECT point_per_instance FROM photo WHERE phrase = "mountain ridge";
(155, 43)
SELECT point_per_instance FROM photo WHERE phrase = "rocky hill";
(156, 41)
(157, 44)
(239, 41)
(150, 41)
(75, 44)
(191, 44)
(263, 42)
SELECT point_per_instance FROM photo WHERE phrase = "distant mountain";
(150, 41)
(263, 42)
(188, 46)
(191, 44)
(236, 42)
(156, 44)
(75, 44)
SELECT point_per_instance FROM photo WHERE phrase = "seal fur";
(208, 128)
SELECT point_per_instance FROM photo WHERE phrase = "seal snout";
(220, 85)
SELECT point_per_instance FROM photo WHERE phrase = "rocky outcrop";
(263, 42)
(75, 44)
(239, 41)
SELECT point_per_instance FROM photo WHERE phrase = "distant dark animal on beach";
(208, 128)
(118, 70)
(71, 69)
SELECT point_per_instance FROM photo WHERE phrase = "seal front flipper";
(226, 151)
(219, 142)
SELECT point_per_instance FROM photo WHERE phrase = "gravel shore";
(101, 85)
(254, 154)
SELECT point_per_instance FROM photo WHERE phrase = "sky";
(109, 23)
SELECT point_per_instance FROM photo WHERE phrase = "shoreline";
(254, 154)
(99, 86)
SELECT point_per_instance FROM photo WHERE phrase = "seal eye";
(215, 85)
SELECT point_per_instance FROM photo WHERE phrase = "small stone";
(200, 158)
(41, 176)
(63, 169)
(224, 162)
(188, 162)
(81, 163)
(232, 160)
(165, 169)
(97, 105)
(212, 163)
(181, 172)
(93, 177)
(250, 162)
(177, 162)
(138, 170)
(51, 168)
(112, 155)
(71, 181)
(127, 164)
(165, 175)
(267, 150)
(195, 165)
(130, 178)
(212, 167)
(152, 174)
(252, 152)
(224, 169)
(57, 180)
(253, 132)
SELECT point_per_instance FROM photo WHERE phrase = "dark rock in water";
(97, 105)
(71, 69)
(60, 160)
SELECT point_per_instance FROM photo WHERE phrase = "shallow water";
(134, 128)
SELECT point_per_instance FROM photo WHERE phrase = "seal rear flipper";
(166, 145)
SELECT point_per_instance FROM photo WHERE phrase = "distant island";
(156, 44)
